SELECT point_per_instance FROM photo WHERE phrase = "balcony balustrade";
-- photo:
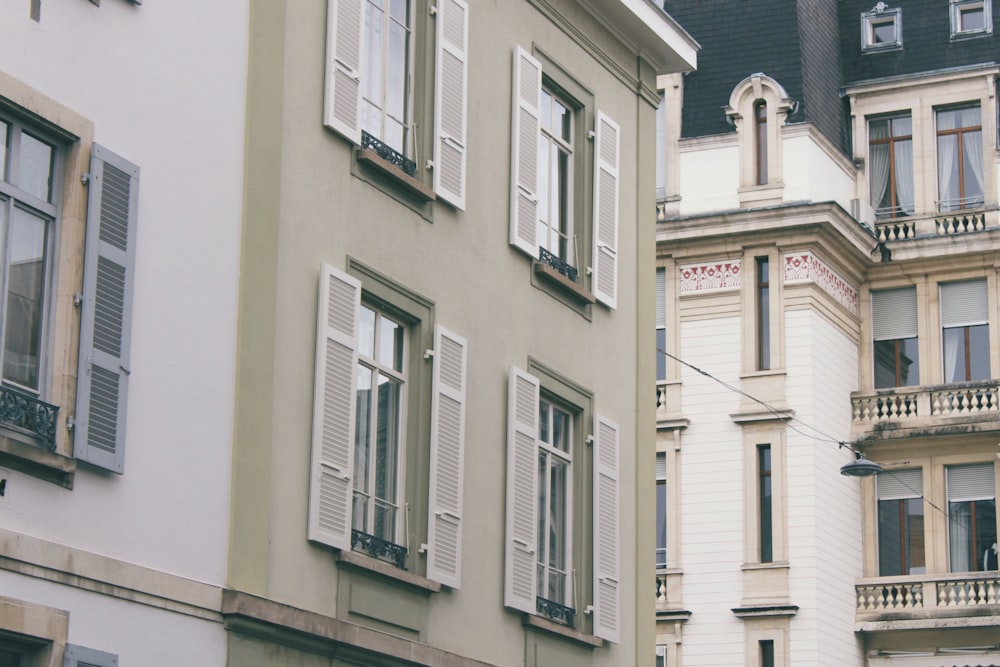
(926, 595)
(926, 406)
(661, 591)
(945, 223)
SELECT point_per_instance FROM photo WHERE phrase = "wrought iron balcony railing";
(547, 257)
(25, 413)
(927, 594)
(555, 611)
(379, 548)
(388, 154)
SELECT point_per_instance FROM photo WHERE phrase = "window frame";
(765, 500)
(557, 201)
(956, 10)
(967, 321)
(662, 500)
(963, 202)
(762, 306)
(407, 141)
(972, 499)
(907, 485)
(760, 141)
(551, 405)
(896, 209)
(878, 16)
(895, 309)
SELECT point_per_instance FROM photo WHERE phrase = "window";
(972, 518)
(375, 83)
(894, 332)
(366, 443)
(555, 514)
(661, 510)
(661, 148)
(965, 331)
(881, 28)
(551, 174)
(764, 501)
(661, 655)
(900, 522)
(661, 325)
(960, 159)
(766, 652)
(760, 135)
(78, 656)
(763, 314)
(971, 18)
(890, 158)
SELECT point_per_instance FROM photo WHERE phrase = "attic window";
(971, 18)
(881, 28)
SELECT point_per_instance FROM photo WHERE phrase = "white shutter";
(894, 313)
(444, 522)
(900, 484)
(607, 490)
(661, 298)
(605, 267)
(525, 129)
(971, 482)
(964, 304)
(522, 491)
(342, 98)
(450, 100)
(106, 315)
(334, 406)
(661, 465)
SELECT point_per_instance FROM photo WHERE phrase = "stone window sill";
(359, 561)
(369, 158)
(558, 280)
(543, 625)
(17, 454)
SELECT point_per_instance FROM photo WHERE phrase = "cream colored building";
(845, 288)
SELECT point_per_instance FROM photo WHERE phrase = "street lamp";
(860, 467)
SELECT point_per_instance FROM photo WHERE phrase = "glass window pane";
(954, 355)
(661, 358)
(661, 523)
(35, 167)
(883, 32)
(909, 368)
(560, 429)
(22, 338)
(4, 142)
(986, 534)
(9, 658)
(395, 94)
(372, 79)
(979, 352)
(366, 332)
(902, 126)
(543, 420)
(390, 351)
(972, 169)
(397, 10)
(362, 434)
(972, 18)
(387, 438)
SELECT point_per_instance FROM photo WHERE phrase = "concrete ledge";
(553, 277)
(538, 623)
(355, 560)
(370, 158)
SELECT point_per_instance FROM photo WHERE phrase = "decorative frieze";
(805, 267)
(710, 276)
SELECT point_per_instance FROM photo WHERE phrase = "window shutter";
(522, 491)
(661, 465)
(606, 211)
(78, 656)
(964, 304)
(972, 482)
(334, 401)
(444, 522)
(342, 100)
(894, 313)
(606, 500)
(900, 484)
(661, 298)
(525, 129)
(450, 98)
(105, 329)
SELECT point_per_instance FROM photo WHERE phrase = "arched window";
(760, 140)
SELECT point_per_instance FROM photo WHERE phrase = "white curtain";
(959, 536)
(952, 344)
(972, 149)
(904, 177)
(878, 159)
(947, 170)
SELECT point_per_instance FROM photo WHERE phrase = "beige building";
(438, 454)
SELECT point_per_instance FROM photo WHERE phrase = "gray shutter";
(78, 656)
(661, 465)
(521, 561)
(900, 484)
(607, 490)
(444, 522)
(106, 314)
(331, 488)
(661, 298)
(894, 313)
(342, 99)
(964, 304)
(450, 99)
(525, 129)
(971, 482)
(605, 262)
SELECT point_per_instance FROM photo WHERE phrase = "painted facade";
(838, 271)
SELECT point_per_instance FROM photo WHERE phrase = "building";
(827, 243)
(444, 240)
(121, 159)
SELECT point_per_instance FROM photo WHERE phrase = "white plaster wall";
(139, 635)
(709, 179)
(810, 174)
(711, 474)
(824, 508)
(164, 85)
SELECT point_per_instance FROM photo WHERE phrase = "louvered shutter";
(342, 99)
(78, 656)
(450, 99)
(971, 482)
(900, 484)
(525, 129)
(106, 315)
(607, 586)
(894, 313)
(334, 407)
(605, 266)
(661, 298)
(444, 522)
(522, 491)
(964, 304)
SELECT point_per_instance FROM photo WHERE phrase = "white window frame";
(406, 146)
(959, 6)
(662, 487)
(879, 15)
(557, 217)
(552, 453)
